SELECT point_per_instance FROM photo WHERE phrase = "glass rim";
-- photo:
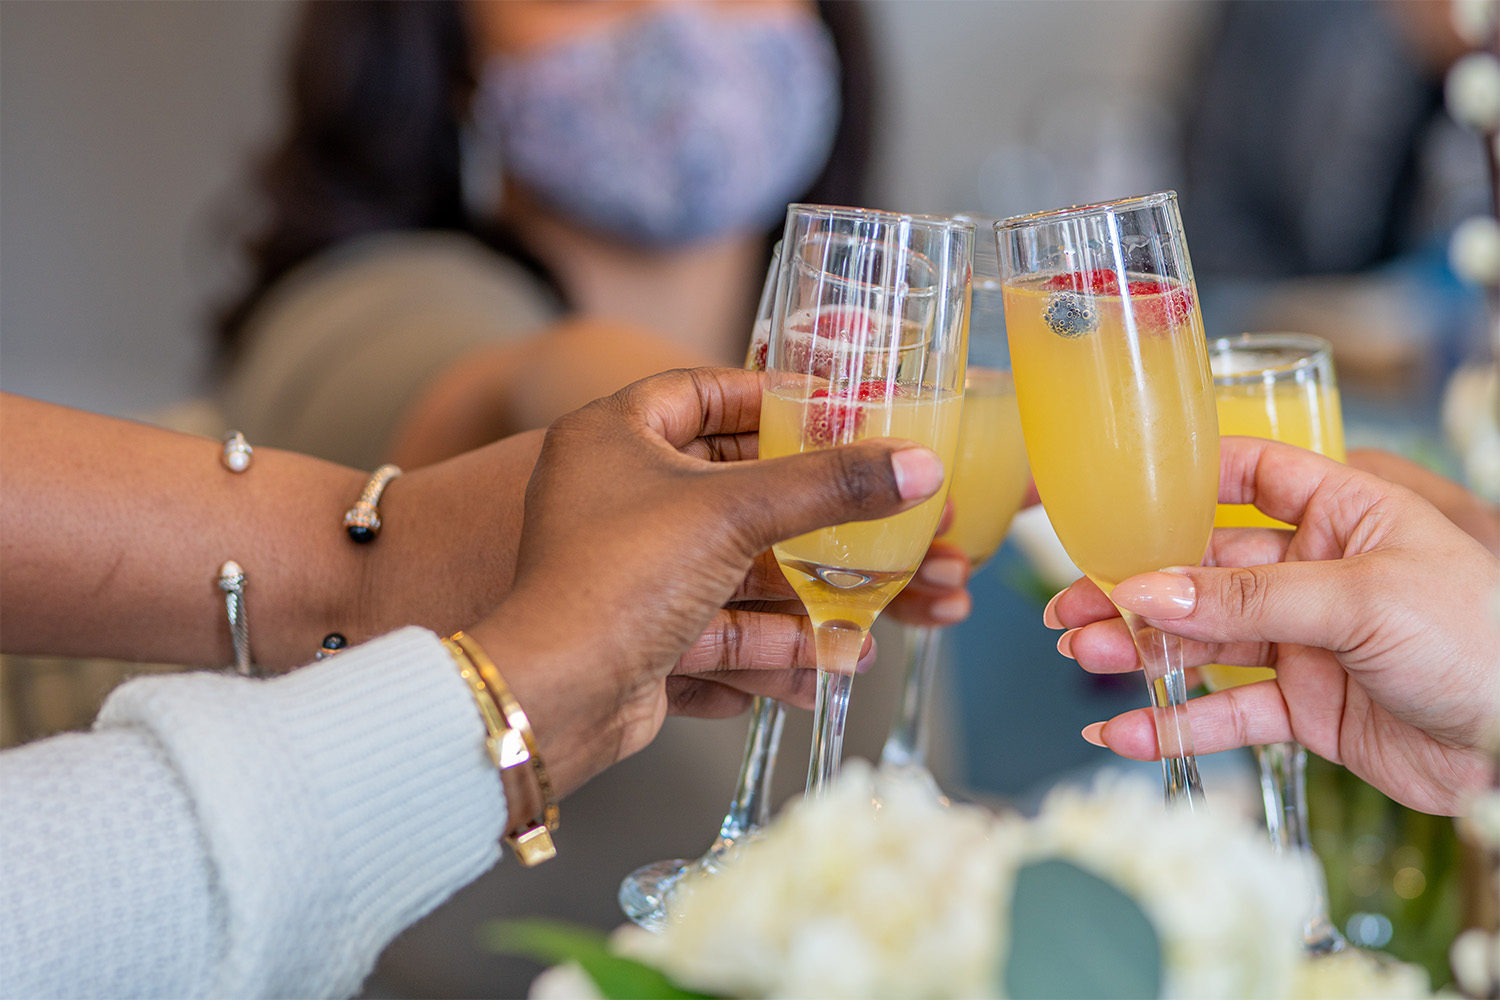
(1154, 200)
(1314, 351)
(853, 213)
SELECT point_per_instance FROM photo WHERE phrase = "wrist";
(566, 697)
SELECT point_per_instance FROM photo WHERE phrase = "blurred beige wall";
(124, 122)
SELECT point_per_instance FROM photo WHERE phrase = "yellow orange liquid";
(1305, 414)
(1120, 432)
(990, 472)
(849, 572)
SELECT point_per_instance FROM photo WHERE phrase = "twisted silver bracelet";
(232, 583)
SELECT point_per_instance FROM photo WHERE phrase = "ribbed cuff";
(339, 803)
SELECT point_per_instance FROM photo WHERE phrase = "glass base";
(644, 892)
(915, 774)
(1320, 937)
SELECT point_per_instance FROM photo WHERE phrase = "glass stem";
(906, 746)
(1161, 659)
(838, 646)
(1283, 783)
(751, 807)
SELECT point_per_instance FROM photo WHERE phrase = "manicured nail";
(919, 473)
(1091, 733)
(1049, 616)
(867, 655)
(943, 572)
(1065, 644)
(954, 608)
(1163, 595)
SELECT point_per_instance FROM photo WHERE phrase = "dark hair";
(377, 95)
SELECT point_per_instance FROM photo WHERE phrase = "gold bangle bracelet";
(511, 744)
(494, 723)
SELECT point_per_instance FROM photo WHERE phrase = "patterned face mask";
(670, 128)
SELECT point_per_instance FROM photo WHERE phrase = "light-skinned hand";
(1377, 613)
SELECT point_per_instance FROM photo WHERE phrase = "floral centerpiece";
(880, 890)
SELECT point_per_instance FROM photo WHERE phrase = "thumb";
(1307, 603)
(779, 498)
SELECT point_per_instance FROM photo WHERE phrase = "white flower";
(878, 890)
(1228, 910)
(1357, 973)
(1471, 419)
(846, 898)
(1481, 823)
(1474, 20)
(564, 982)
(1475, 958)
(1472, 91)
(1474, 250)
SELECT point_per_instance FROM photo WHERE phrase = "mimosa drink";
(867, 339)
(1305, 414)
(1117, 409)
(1272, 393)
(990, 472)
(1117, 413)
(849, 572)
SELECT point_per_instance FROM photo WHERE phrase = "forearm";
(508, 388)
(114, 532)
(112, 535)
(1471, 512)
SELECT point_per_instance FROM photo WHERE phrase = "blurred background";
(1320, 178)
(127, 126)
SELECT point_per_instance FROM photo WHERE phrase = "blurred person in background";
(1323, 178)
(481, 215)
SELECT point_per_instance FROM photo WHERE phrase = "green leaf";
(554, 942)
(1073, 936)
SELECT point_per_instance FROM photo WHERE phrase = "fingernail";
(1049, 616)
(945, 573)
(1065, 644)
(1092, 731)
(866, 655)
(954, 608)
(919, 473)
(1163, 595)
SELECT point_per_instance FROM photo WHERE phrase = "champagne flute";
(1279, 386)
(1117, 410)
(867, 340)
(989, 482)
(645, 894)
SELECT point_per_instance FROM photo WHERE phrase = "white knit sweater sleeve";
(217, 836)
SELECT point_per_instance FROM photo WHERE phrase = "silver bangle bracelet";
(362, 521)
(232, 583)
